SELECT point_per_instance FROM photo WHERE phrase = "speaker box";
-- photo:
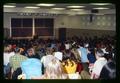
(94, 11)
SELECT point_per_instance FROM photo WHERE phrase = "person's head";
(17, 50)
(30, 52)
(6, 49)
(108, 71)
(10, 46)
(58, 55)
(49, 51)
(54, 70)
(86, 45)
(99, 53)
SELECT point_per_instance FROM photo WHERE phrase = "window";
(44, 26)
(21, 27)
(16, 22)
(27, 22)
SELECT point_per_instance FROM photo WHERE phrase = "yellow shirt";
(71, 67)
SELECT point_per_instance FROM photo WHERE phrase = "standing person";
(91, 58)
(76, 54)
(16, 60)
(84, 60)
(7, 54)
(98, 65)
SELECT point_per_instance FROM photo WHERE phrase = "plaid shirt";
(16, 60)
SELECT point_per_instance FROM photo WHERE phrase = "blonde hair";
(6, 49)
(54, 70)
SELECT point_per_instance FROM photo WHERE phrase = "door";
(62, 34)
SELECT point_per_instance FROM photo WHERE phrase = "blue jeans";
(6, 69)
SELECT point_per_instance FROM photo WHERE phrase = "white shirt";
(7, 57)
(46, 59)
(98, 65)
(67, 46)
(104, 51)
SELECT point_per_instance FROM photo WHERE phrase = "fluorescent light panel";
(76, 9)
(99, 14)
(58, 8)
(32, 7)
(100, 8)
(42, 4)
(100, 3)
(75, 6)
(11, 6)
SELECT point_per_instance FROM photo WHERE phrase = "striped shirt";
(16, 60)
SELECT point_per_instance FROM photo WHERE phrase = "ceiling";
(88, 6)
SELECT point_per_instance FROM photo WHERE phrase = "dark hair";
(17, 50)
(108, 71)
(100, 53)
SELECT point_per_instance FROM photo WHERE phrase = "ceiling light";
(32, 7)
(9, 6)
(100, 3)
(75, 6)
(45, 4)
(101, 8)
(99, 14)
(76, 9)
(58, 8)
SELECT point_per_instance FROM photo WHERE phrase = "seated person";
(31, 67)
(16, 60)
(48, 58)
(16, 73)
(69, 66)
(31, 54)
(98, 65)
(54, 70)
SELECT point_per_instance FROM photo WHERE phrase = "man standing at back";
(83, 55)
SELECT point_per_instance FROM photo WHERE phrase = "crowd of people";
(73, 58)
